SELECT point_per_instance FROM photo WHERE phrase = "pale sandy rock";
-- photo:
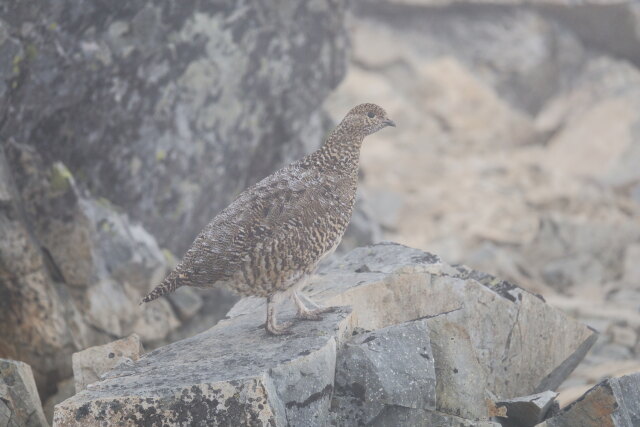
(19, 400)
(470, 111)
(90, 364)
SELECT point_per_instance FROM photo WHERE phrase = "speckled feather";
(278, 230)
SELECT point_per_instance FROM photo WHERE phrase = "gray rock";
(527, 411)
(19, 399)
(392, 366)
(514, 48)
(483, 333)
(186, 303)
(189, 103)
(398, 416)
(613, 402)
(89, 365)
(232, 374)
(74, 268)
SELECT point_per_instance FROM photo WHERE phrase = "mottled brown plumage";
(275, 233)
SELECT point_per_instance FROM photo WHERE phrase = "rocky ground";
(414, 341)
(517, 149)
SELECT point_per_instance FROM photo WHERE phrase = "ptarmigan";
(277, 231)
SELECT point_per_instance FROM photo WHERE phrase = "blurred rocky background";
(517, 150)
(126, 126)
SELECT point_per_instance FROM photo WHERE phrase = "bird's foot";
(314, 314)
(279, 329)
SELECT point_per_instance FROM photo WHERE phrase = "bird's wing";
(288, 201)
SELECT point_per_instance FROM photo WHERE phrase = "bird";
(274, 234)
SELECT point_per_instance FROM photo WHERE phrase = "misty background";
(126, 127)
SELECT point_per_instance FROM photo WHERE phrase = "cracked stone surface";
(19, 401)
(392, 366)
(487, 339)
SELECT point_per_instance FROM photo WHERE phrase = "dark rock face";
(124, 129)
(168, 108)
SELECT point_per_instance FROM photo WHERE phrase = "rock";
(613, 402)
(74, 268)
(631, 273)
(66, 389)
(250, 378)
(90, 364)
(189, 103)
(393, 416)
(516, 50)
(392, 366)
(19, 399)
(527, 411)
(483, 332)
(186, 303)
(567, 250)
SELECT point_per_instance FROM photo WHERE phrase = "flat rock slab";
(487, 339)
(614, 402)
(19, 400)
(232, 374)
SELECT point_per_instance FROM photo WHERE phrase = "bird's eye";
(371, 115)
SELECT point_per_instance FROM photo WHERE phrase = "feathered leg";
(272, 325)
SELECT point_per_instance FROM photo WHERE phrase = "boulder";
(90, 364)
(389, 367)
(19, 399)
(476, 337)
(613, 402)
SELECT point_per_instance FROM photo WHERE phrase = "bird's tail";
(172, 282)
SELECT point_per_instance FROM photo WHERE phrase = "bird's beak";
(389, 122)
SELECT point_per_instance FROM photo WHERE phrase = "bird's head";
(366, 119)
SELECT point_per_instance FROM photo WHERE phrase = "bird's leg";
(310, 314)
(272, 326)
